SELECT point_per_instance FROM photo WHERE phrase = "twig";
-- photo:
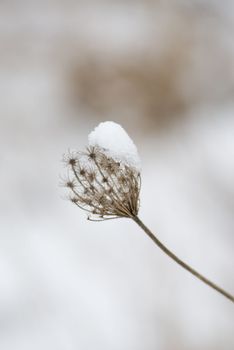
(180, 262)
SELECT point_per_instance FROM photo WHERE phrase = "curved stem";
(180, 262)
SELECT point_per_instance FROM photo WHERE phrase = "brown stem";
(180, 262)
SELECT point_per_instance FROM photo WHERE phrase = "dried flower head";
(105, 181)
(102, 186)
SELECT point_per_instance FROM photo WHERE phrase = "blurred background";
(165, 71)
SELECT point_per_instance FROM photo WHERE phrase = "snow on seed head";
(106, 177)
(114, 141)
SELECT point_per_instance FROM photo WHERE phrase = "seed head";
(103, 187)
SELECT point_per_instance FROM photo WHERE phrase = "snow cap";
(114, 141)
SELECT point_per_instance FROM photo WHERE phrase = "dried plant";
(108, 189)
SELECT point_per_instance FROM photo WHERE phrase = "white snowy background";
(165, 71)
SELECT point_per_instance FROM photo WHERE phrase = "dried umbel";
(105, 181)
(101, 186)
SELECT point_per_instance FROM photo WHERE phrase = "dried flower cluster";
(103, 187)
(107, 188)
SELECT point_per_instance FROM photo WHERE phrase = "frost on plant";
(105, 179)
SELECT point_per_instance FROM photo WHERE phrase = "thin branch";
(180, 262)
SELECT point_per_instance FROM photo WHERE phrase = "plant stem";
(180, 262)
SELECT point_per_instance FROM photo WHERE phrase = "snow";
(114, 141)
